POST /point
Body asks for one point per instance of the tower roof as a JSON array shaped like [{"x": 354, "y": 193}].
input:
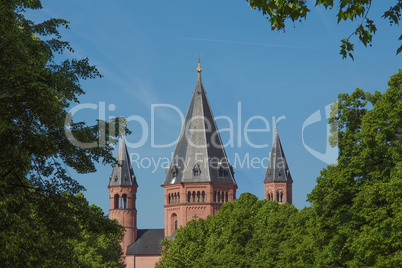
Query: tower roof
[
  {"x": 199, "y": 155},
  {"x": 278, "y": 169},
  {"x": 123, "y": 174}
]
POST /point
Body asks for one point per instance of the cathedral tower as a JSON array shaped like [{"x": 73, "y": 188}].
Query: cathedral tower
[
  {"x": 278, "y": 181},
  {"x": 199, "y": 179},
  {"x": 122, "y": 194}
]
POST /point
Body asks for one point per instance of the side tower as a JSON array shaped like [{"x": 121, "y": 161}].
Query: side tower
[
  {"x": 278, "y": 181},
  {"x": 199, "y": 179},
  {"x": 122, "y": 194}
]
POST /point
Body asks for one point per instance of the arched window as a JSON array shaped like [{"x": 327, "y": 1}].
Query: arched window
[
  {"x": 277, "y": 196},
  {"x": 214, "y": 196},
  {"x": 189, "y": 196},
  {"x": 116, "y": 201},
  {"x": 203, "y": 196},
  {"x": 172, "y": 223},
  {"x": 169, "y": 199},
  {"x": 272, "y": 197},
  {"x": 219, "y": 196},
  {"x": 193, "y": 196},
  {"x": 198, "y": 196},
  {"x": 178, "y": 197},
  {"x": 281, "y": 197},
  {"x": 269, "y": 197},
  {"x": 227, "y": 197},
  {"x": 124, "y": 201},
  {"x": 175, "y": 198}
]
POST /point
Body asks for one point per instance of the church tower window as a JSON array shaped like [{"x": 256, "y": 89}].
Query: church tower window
[
  {"x": 196, "y": 170},
  {"x": 124, "y": 201},
  {"x": 116, "y": 201}
]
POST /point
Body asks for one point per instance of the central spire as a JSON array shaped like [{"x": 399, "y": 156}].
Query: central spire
[{"x": 199, "y": 155}]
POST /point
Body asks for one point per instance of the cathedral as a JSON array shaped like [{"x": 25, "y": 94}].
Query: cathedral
[{"x": 197, "y": 183}]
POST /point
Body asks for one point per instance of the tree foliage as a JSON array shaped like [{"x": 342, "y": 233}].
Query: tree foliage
[
  {"x": 279, "y": 11},
  {"x": 42, "y": 223},
  {"x": 355, "y": 217},
  {"x": 237, "y": 236}
]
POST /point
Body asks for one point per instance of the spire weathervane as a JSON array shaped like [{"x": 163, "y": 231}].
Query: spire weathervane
[
  {"x": 276, "y": 126},
  {"x": 199, "y": 62}
]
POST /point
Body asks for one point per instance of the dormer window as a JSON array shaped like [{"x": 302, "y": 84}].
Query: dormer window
[
  {"x": 223, "y": 172},
  {"x": 115, "y": 178},
  {"x": 196, "y": 170},
  {"x": 220, "y": 172},
  {"x": 174, "y": 171},
  {"x": 125, "y": 178}
]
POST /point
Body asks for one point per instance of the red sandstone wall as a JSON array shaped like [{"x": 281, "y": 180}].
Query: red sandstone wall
[
  {"x": 126, "y": 217},
  {"x": 284, "y": 187},
  {"x": 144, "y": 261},
  {"x": 185, "y": 211}
]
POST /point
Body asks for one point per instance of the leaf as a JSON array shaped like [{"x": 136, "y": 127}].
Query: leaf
[{"x": 399, "y": 50}]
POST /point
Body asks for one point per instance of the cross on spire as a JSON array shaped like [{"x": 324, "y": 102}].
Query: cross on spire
[
  {"x": 276, "y": 126},
  {"x": 199, "y": 54},
  {"x": 195, "y": 216}
]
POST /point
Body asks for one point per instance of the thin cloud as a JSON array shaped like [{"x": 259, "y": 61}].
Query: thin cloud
[{"x": 252, "y": 43}]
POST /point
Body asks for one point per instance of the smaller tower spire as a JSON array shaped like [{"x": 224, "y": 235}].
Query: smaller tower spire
[
  {"x": 123, "y": 174},
  {"x": 122, "y": 195},
  {"x": 278, "y": 181},
  {"x": 278, "y": 169}
]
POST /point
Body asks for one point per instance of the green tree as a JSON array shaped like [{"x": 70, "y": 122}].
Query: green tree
[
  {"x": 39, "y": 214},
  {"x": 245, "y": 233},
  {"x": 358, "y": 202},
  {"x": 279, "y": 11}
]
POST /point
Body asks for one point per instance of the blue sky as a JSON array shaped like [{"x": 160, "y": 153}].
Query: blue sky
[{"x": 146, "y": 52}]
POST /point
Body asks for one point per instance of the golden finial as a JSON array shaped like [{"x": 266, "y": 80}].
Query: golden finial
[
  {"x": 276, "y": 126},
  {"x": 199, "y": 62}
]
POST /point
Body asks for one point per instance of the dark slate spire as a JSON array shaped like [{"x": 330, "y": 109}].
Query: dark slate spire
[
  {"x": 199, "y": 155},
  {"x": 278, "y": 169},
  {"x": 123, "y": 175}
]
